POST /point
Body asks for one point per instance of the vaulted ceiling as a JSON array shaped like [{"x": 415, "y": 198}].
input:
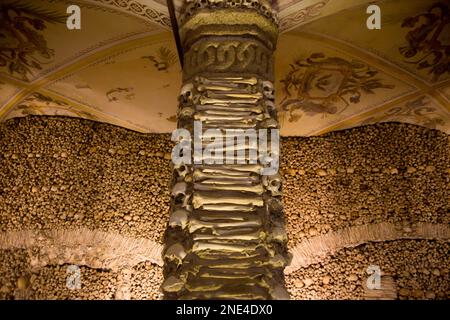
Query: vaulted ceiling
[{"x": 332, "y": 72}]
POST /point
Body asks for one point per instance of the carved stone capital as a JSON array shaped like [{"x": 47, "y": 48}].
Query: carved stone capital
[
  {"x": 263, "y": 7},
  {"x": 203, "y": 22}
]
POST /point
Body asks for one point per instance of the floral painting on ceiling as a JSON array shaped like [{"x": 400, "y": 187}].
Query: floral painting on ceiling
[
  {"x": 163, "y": 59},
  {"x": 39, "y": 104},
  {"x": 325, "y": 85},
  {"x": 23, "y": 48},
  {"x": 419, "y": 111},
  {"x": 425, "y": 45},
  {"x": 117, "y": 94}
]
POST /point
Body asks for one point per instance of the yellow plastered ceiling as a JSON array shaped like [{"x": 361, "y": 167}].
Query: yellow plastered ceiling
[{"x": 332, "y": 72}]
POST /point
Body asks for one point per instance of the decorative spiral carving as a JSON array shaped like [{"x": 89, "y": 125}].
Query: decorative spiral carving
[{"x": 246, "y": 56}]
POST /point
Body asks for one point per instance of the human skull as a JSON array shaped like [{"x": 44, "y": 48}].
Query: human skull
[{"x": 273, "y": 184}]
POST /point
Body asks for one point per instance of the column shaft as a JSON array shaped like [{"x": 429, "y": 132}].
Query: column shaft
[{"x": 226, "y": 236}]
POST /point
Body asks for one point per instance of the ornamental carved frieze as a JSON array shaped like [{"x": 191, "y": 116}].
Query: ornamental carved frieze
[
  {"x": 228, "y": 56},
  {"x": 302, "y": 15},
  {"x": 140, "y": 9},
  {"x": 263, "y": 7}
]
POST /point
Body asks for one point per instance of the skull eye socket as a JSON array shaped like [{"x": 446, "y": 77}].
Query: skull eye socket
[
  {"x": 182, "y": 170},
  {"x": 179, "y": 198}
]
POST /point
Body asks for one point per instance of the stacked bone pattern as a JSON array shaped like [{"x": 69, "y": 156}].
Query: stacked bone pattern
[{"x": 226, "y": 236}]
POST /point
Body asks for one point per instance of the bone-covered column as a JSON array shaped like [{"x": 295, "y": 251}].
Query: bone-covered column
[{"x": 226, "y": 237}]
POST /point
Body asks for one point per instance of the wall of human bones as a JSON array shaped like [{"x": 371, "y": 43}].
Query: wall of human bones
[{"x": 79, "y": 193}]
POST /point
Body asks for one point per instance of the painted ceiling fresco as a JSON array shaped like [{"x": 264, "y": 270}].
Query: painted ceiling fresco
[{"x": 331, "y": 72}]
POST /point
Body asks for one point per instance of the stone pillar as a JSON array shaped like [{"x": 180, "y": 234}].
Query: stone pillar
[{"x": 226, "y": 235}]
